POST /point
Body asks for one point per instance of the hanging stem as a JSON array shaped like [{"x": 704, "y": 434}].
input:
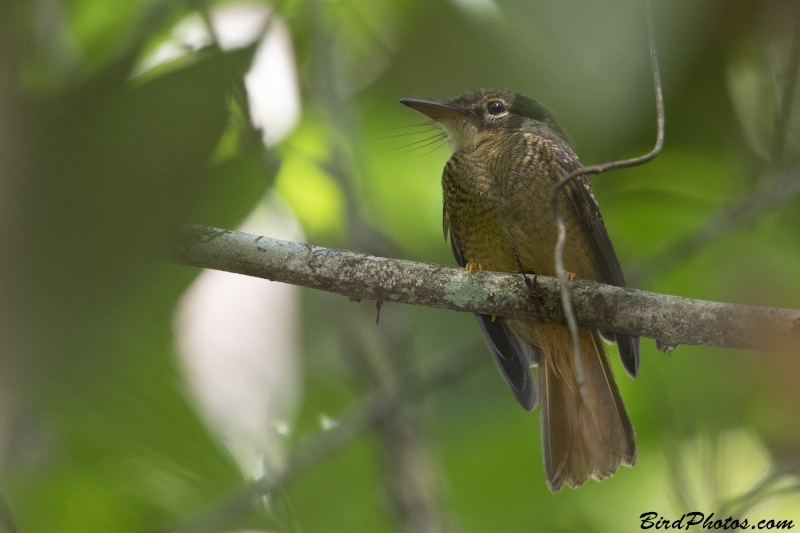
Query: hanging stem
[{"x": 565, "y": 284}]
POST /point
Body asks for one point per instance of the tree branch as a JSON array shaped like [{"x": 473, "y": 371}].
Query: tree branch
[{"x": 670, "y": 319}]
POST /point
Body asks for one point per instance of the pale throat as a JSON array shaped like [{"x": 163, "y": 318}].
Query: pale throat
[{"x": 462, "y": 134}]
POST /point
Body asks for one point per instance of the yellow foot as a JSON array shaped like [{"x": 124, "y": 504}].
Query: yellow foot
[
  {"x": 473, "y": 266},
  {"x": 571, "y": 276},
  {"x": 494, "y": 318}
]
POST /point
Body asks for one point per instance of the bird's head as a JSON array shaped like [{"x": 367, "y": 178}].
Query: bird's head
[{"x": 478, "y": 115}]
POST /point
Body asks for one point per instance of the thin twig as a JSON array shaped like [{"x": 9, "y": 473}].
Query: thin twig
[
  {"x": 566, "y": 299},
  {"x": 367, "y": 411},
  {"x": 671, "y": 319}
]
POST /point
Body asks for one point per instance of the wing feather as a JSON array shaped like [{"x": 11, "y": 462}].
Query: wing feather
[
  {"x": 589, "y": 214},
  {"x": 512, "y": 355}
]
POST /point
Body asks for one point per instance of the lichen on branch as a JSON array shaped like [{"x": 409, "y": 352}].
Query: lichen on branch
[{"x": 672, "y": 320}]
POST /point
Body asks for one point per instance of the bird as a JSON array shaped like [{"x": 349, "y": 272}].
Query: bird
[{"x": 508, "y": 152}]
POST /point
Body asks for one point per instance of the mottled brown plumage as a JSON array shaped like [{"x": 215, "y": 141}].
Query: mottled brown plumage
[{"x": 508, "y": 152}]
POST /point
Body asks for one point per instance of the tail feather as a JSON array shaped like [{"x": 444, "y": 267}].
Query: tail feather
[{"x": 582, "y": 438}]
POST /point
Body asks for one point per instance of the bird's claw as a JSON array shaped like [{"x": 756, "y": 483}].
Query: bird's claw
[{"x": 473, "y": 266}]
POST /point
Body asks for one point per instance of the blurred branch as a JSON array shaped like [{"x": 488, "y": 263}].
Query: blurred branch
[
  {"x": 367, "y": 411},
  {"x": 7, "y": 517},
  {"x": 771, "y": 192},
  {"x": 783, "y": 109},
  {"x": 380, "y": 357},
  {"x": 768, "y": 195},
  {"x": 766, "y": 488},
  {"x": 670, "y": 319},
  {"x": 771, "y": 195}
]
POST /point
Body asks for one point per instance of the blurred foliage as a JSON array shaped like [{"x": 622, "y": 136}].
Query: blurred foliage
[{"x": 98, "y": 167}]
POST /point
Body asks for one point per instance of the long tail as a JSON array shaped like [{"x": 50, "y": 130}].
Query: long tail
[{"x": 582, "y": 439}]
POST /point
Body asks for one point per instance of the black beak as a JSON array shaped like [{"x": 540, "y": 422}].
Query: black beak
[{"x": 434, "y": 110}]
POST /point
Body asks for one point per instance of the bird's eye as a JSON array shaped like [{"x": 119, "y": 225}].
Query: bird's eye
[{"x": 496, "y": 107}]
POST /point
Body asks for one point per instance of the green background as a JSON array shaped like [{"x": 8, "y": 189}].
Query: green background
[{"x": 97, "y": 169}]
